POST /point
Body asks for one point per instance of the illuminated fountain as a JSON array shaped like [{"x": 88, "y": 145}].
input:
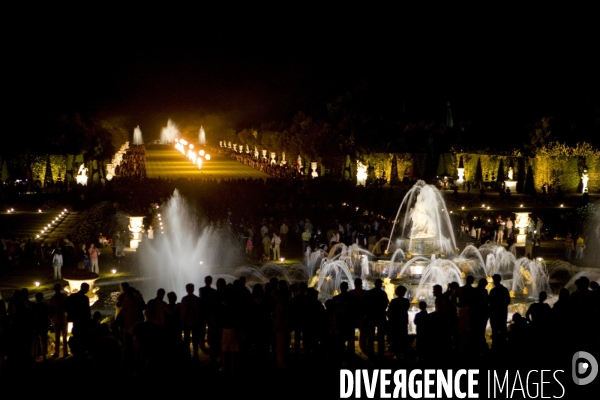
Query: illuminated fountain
[
  {"x": 430, "y": 227},
  {"x": 273, "y": 155},
  {"x": 137, "y": 136},
  {"x": 283, "y": 162},
  {"x": 425, "y": 255},
  {"x": 169, "y": 133},
  {"x": 202, "y": 136},
  {"x": 186, "y": 252}
]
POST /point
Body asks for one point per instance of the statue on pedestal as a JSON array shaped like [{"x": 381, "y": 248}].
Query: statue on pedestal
[{"x": 584, "y": 179}]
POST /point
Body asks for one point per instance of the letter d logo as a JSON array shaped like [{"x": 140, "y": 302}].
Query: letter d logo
[{"x": 581, "y": 363}]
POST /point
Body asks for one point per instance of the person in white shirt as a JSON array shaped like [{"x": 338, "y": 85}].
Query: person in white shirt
[{"x": 57, "y": 263}]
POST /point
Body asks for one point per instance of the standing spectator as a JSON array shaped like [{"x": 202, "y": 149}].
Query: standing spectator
[
  {"x": 529, "y": 239},
  {"x": 266, "y": 246},
  {"x": 190, "y": 319},
  {"x": 42, "y": 323},
  {"x": 305, "y": 240},
  {"x": 94, "y": 253},
  {"x": 361, "y": 240},
  {"x": 376, "y": 302},
  {"x": 79, "y": 313},
  {"x": 58, "y": 317},
  {"x": 538, "y": 228},
  {"x": 579, "y": 248},
  {"x": 499, "y": 230},
  {"x": 57, "y": 263},
  {"x": 276, "y": 243},
  {"x": 283, "y": 233},
  {"x": 207, "y": 297},
  {"x": 509, "y": 227},
  {"x": 569, "y": 247},
  {"x": 499, "y": 301},
  {"x": 249, "y": 246},
  {"x": 398, "y": 322},
  {"x": 422, "y": 323}
]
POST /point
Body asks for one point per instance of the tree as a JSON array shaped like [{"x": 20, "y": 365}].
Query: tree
[
  {"x": 500, "y": 175},
  {"x": 529, "y": 187},
  {"x": 478, "y": 172},
  {"x": 521, "y": 175},
  {"x": 394, "y": 181}
]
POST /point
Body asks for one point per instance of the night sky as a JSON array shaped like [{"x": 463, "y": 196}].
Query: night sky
[{"x": 236, "y": 66}]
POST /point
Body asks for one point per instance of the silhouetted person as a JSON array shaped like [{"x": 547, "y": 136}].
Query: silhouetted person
[
  {"x": 58, "y": 317},
  {"x": 442, "y": 321},
  {"x": 376, "y": 302},
  {"x": 79, "y": 313},
  {"x": 190, "y": 319},
  {"x": 360, "y": 292},
  {"x": 157, "y": 310},
  {"x": 260, "y": 321},
  {"x": 281, "y": 326},
  {"x": 346, "y": 308},
  {"x": 299, "y": 313},
  {"x": 518, "y": 337},
  {"x": 465, "y": 299},
  {"x": 481, "y": 315},
  {"x": 582, "y": 312},
  {"x": 499, "y": 301},
  {"x": 398, "y": 321},
  {"x": 423, "y": 326},
  {"x": 42, "y": 323},
  {"x": 207, "y": 297}
]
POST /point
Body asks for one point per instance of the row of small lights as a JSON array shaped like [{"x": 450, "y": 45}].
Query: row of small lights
[{"x": 54, "y": 222}]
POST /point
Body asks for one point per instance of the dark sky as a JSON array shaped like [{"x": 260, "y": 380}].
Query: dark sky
[{"x": 240, "y": 65}]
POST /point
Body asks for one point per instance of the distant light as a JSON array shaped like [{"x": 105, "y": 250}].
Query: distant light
[
  {"x": 539, "y": 258},
  {"x": 114, "y": 271},
  {"x": 462, "y": 208},
  {"x": 488, "y": 220},
  {"x": 37, "y": 236},
  {"x": 66, "y": 210},
  {"x": 282, "y": 259},
  {"x": 37, "y": 284},
  {"x": 450, "y": 212},
  {"x": 207, "y": 157},
  {"x": 483, "y": 205},
  {"x": 562, "y": 205},
  {"x": 521, "y": 205},
  {"x": 191, "y": 146},
  {"x": 488, "y": 207},
  {"x": 201, "y": 262},
  {"x": 158, "y": 214},
  {"x": 39, "y": 210}
]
